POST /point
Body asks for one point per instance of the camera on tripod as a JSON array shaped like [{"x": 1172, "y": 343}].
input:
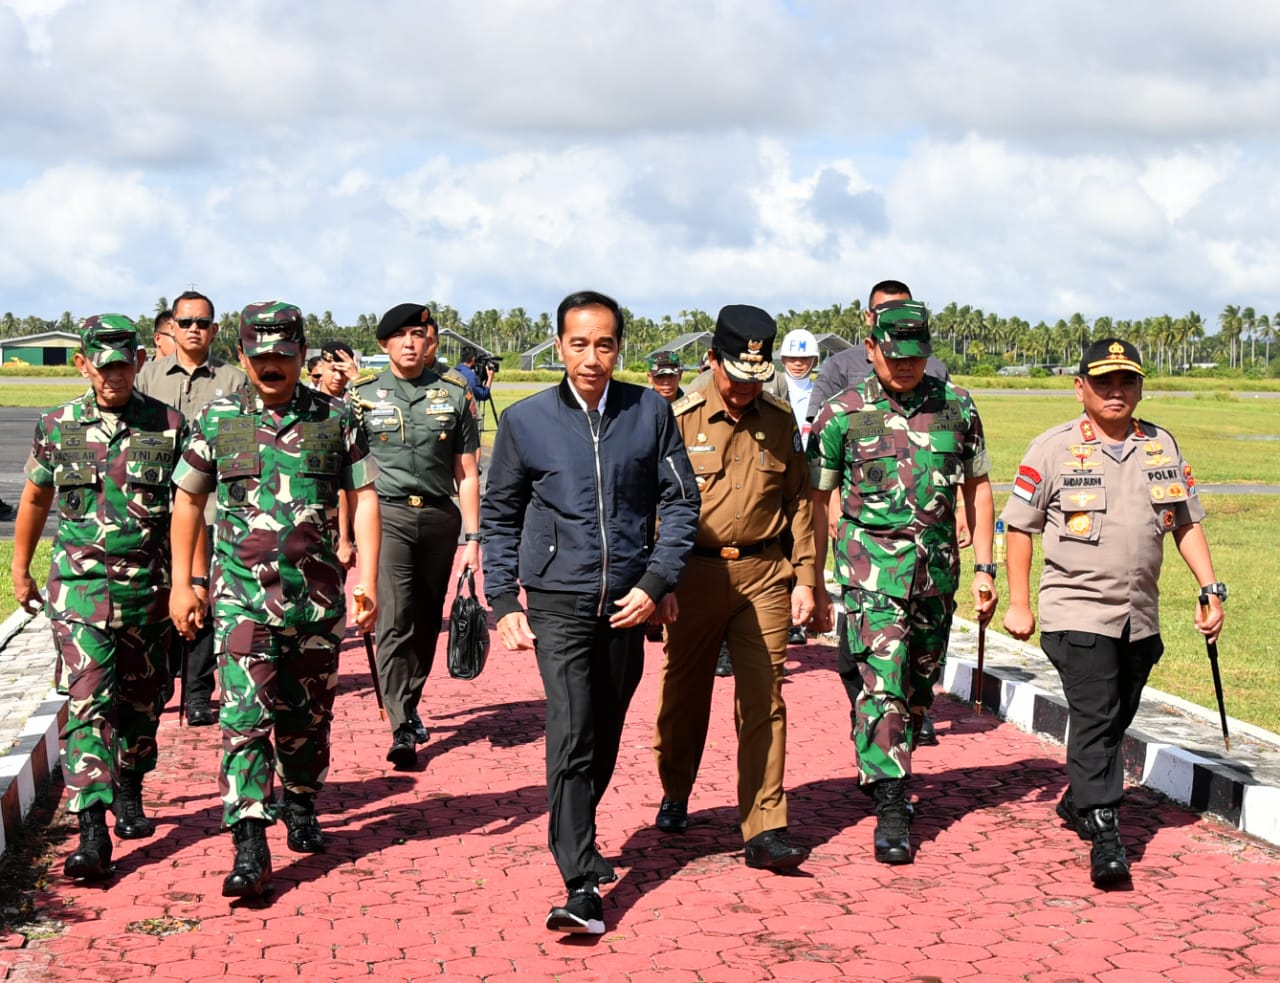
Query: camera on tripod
[{"x": 486, "y": 364}]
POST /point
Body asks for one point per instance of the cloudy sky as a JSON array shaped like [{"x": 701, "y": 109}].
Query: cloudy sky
[{"x": 1032, "y": 158}]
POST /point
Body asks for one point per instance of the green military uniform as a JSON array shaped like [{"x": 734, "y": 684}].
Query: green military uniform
[
  {"x": 416, "y": 430},
  {"x": 279, "y": 602},
  {"x": 899, "y": 461},
  {"x": 109, "y": 580}
]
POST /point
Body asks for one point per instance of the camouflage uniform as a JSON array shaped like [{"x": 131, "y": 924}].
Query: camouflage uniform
[
  {"x": 108, "y": 591},
  {"x": 279, "y": 599},
  {"x": 899, "y": 462}
]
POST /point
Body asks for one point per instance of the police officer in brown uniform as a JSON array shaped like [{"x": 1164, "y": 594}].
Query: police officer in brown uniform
[
  {"x": 1103, "y": 490},
  {"x": 754, "y": 480}
]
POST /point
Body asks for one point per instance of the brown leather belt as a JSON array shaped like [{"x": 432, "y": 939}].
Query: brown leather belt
[{"x": 734, "y": 552}]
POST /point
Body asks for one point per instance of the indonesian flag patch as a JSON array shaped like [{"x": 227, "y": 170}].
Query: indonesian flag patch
[{"x": 1025, "y": 485}]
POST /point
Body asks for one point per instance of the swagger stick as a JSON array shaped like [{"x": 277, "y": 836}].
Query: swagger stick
[
  {"x": 362, "y": 604},
  {"x": 1212, "y": 649},
  {"x": 985, "y": 591}
]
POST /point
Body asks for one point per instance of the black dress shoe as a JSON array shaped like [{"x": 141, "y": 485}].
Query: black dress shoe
[
  {"x": 724, "y": 663},
  {"x": 926, "y": 736},
  {"x": 404, "y": 748},
  {"x": 771, "y": 851},
  {"x": 673, "y": 817},
  {"x": 420, "y": 732},
  {"x": 200, "y": 715},
  {"x": 796, "y": 635}
]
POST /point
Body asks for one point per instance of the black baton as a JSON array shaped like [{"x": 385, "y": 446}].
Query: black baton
[{"x": 1212, "y": 649}]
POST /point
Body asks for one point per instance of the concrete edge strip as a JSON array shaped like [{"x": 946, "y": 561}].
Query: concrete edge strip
[
  {"x": 1188, "y": 778},
  {"x": 26, "y": 769}
]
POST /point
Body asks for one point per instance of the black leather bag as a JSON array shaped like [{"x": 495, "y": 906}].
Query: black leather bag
[{"x": 468, "y": 631}]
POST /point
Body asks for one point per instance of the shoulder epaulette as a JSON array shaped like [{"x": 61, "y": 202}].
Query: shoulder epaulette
[
  {"x": 776, "y": 401},
  {"x": 365, "y": 377},
  {"x": 687, "y": 402},
  {"x": 455, "y": 377}
]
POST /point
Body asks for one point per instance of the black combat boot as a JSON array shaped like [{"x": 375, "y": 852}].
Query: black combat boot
[
  {"x": 92, "y": 861},
  {"x": 300, "y": 820},
  {"x": 893, "y": 821},
  {"x": 131, "y": 822},
  {"x": 251, "y": 875},
  {"x": 1107, "y": 861}
]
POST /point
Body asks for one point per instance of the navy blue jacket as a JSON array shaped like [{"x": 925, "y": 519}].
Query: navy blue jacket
[{"x": 565, "y": 511}]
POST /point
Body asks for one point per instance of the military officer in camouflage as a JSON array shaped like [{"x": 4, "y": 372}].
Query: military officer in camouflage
[
  {"x": 422, "y": 432},
  {"x": 277, "y": 455},
  {"x": 107, "y": 458},
  {"x": 899, "y": 445}
]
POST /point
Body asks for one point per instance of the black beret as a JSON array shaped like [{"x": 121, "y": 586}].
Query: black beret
[{"x": 403, "y": 316}]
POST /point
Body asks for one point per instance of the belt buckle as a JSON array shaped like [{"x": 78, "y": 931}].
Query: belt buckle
[
  {"x": 730, "y": 552},
  {"x": 415, "y": 501}
]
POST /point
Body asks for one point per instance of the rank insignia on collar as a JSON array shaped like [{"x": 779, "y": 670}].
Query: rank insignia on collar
[
  {"x": 1087, "y": 431},
  {"x": 1152, "y": 447}
]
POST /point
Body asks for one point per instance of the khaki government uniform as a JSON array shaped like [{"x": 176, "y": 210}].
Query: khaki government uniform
[{"x": 754, "y": 482}]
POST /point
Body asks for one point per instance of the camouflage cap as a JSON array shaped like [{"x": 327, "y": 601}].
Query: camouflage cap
[
  {"x": 271, "y": 327},
  {"x": 901, "y": 329},
  {"x": 665, "y": 363},
  {"x": 744, "y": 338},
  {"x": 108, "y": 338},
  {"x": 1111, "y": 355}
]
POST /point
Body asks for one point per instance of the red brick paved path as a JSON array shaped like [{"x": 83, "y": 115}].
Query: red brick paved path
[{"x": 444, "y": 873}]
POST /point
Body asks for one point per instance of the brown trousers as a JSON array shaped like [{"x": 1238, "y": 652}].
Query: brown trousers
[{"x": 748, "y": 603}]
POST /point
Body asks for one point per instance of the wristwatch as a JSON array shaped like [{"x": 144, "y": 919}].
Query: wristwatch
[
  {"x": 473, "y": 537},
  {"x": 1218, "y": 588},
  {"x": 200, "y": 582},
  {"x": 990, "y": 569}
]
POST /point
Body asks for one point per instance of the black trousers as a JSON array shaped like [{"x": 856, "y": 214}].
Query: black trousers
[
  {"x": 415, "y": 564},
  {"x": 589, "y": 672},
  {"x": 1102, "y": 679},
  {"x": 200, "y": 659}
]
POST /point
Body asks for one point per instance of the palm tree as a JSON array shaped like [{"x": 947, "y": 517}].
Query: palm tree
[
  {"x": 162, "y": 305},
  {"x": 1230, "y": 323}
]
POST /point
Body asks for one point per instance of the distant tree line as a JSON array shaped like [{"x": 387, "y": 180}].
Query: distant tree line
[{"x": 968, "y": 339}]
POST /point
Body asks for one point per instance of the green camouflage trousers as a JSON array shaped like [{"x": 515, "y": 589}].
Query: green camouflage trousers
[
  {"x": 898, "y": 645},
  {"x": 115, "y": 680},
  {"x": 276, "y": 682}
]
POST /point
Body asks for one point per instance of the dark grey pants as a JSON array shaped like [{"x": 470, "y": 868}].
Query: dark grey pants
[{"x": 415, "y": 565}]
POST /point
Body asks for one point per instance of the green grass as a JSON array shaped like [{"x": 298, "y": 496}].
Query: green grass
[
  {"x": 39, "y": 396},
  {"x": 39, "y": 570}
]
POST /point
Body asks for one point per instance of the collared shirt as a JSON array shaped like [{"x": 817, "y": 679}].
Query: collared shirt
[
  {"x": 899, "y": 461},
  {"x": 415, "y": 429},
  {"x": 277, "y": 473},
  {"x": 752, "y": 475},
  {"x": 111, "y": 471},
  {"x": 188, "y": 390},
  {"x": 1103, "y": 516}
]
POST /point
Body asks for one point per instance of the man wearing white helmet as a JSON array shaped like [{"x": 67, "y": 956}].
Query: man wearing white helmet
[{"x": 799, "y": 357}]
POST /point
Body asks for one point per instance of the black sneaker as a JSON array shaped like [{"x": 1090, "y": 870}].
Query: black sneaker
[
  {"x": 581, "y": 914},
  {"x": 1069, "y": 814},
  {"x": 7, "y": 512}
]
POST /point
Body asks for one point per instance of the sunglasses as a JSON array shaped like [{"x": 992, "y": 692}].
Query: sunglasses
[
  {"x": 317, "y": 377},
  {"x": 203, "y": 323}
]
